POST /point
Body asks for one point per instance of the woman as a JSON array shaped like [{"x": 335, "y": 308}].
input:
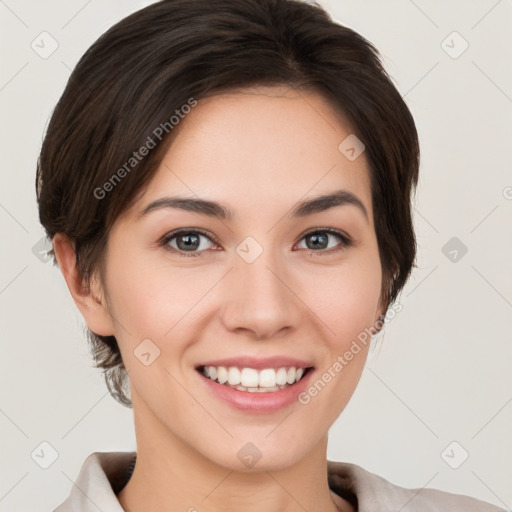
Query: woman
[{"x": 227, "y": 186}]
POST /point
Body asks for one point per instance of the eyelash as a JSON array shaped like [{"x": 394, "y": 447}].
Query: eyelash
[{"x": 346, "y": 241}]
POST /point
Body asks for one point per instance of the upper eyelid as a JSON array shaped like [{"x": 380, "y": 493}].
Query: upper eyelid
[{"x": 172, "y": 234}]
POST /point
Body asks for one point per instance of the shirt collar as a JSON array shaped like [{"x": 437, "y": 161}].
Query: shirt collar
[{"x": 104, "y": 474}]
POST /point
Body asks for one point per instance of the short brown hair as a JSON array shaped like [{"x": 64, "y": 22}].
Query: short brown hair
[{"x": 147, "y": 66}]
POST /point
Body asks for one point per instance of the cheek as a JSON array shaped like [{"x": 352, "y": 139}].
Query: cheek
[
  {"x": 156, "y": 301},
  {"x": 139, "y": 298},
  {"x": 347, "y": 305},
  {"x": 345, "y": 298}
]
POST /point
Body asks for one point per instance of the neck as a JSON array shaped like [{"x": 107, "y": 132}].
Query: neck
[{"x": 172, "y": 475}]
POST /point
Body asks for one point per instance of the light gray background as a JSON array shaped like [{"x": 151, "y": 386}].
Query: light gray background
[{"x": 442, "y": 369}]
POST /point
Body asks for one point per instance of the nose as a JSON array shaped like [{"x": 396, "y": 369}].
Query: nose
[{"x": 260, "y": 298}]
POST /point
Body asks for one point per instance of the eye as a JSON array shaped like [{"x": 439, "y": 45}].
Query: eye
[
  {"x": 320, "y": 241},
  {"x": 187, "y": 241}
]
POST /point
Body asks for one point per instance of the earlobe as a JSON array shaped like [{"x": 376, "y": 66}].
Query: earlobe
[{"x": 89, "y": 299}]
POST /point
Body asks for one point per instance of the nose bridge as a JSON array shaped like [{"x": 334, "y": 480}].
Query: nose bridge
[
  {"x": 262, "y": 300},
  {"x": 259, "y": 270}
]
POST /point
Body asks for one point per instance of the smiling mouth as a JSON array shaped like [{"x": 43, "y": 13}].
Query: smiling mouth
[{"x": 251, "y": 380}]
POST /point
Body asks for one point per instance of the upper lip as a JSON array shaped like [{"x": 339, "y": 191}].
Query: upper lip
[{"x": 259, "y": 363}]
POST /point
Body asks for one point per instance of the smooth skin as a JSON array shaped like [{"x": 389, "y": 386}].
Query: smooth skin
[{"x": 258, "y": 152}]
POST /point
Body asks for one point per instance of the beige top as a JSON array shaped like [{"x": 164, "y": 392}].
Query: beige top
[{"x": 104, "y": 474}]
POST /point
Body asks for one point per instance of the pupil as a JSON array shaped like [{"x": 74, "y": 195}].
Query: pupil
[
  {"x": 316, "y": 237},
  {"x": 188, "y": 243}
]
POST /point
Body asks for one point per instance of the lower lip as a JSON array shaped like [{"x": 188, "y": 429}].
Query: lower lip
[{"x": 258, "y": 402}]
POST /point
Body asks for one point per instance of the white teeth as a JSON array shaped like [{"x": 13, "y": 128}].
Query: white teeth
[
  {"x": 267, "y": 390},
  {"x": 234, "y": 376},
  {"x": 267, "y": 378},
  {"x": 291, "y": 375},
  {"x": 222, "y": 374},
  {"x": 212, "y": 371},
  {"x": 281, "y": 377},
  {"x": 252, "y": 380},
  {"x": 249, "y": 378}
]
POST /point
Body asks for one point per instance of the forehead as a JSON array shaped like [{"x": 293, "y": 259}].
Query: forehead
[{"x": 260, "y": 147}]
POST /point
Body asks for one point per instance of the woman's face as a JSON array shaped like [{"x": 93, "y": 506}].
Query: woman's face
[{"x": 263, "y": 283}]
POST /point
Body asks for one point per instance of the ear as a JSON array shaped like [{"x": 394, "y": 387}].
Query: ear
[{"x": 93, "y": 309}]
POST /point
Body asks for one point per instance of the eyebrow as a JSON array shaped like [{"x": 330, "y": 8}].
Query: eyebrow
[{"x": 217, "y": 210}]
